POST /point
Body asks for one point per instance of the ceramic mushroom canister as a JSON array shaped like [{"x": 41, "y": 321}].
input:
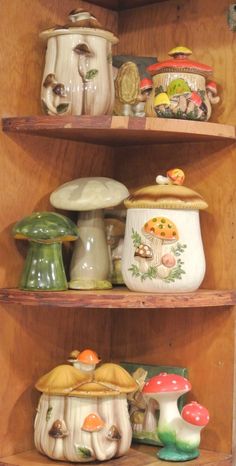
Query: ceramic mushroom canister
[
  {"x": 82, "y": 416},
  {"x": 90, "y": 265},
  {"x": 182, "y": 88},
  {"x": 179, "y": 433},
  {"x": 44, "y": 268},
  {"x": 163, "y": 250},
  {"x": 78, "y": 76}
]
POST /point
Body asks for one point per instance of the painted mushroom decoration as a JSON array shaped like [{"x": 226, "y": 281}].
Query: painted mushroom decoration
[
  {"x": 163, "y": 250},
  {"x": 45, "y": 231},
  {"x": 90, "y": 265},
  {"x": 85, "y": 360},
  {"x": 179, "y": 433},
  {"x": 83, "y": 416}
]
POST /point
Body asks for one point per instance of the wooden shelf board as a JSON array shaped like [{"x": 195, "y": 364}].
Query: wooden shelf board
[
  {"x": 133, "y": 458},
  {"x": 123, "y": 4},
  {"x": 119, "y": 130},
  {"x": 117, "y": 298}
]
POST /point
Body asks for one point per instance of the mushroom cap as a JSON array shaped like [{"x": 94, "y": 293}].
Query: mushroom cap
[
  {"x": 161, "y": 228},
  {"x": 93, "y": 423},
  {"x": 182, "y": 50},
  {"x": 196, "y": 98},
  {"x": 144, "y": 251},
  {"x": 93, "y": 389},
  {"x": 211, "y": 86},
  {"x": 161, "y": 99},
  {"x": 89, "y": 194},
  {"x": 164, "y": 383},
  {"x": 113, "y": 376},
  {"x": 176, "y": 175},
  {"x": 165, "y": 197},
  {"x": 145, "y": 84},
  {"x": 46, "y": 227},
  {"x": 61, "y": 380},
  {"x": 88, "y": 356},
  {"x": 58, "y": 429},
  {"x": 195, "y": 414}
]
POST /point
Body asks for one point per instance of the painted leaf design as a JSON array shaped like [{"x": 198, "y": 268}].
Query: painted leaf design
[
  {"x": 83, "y": 452},
  {"x": 49, "y": 413},
  {"x": 91, "y": 74},
  {"x": 62, "y": 108}
]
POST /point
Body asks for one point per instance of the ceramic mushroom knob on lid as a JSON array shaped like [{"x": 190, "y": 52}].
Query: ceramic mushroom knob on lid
[
  {"x": 180, "y": 88},
  {"x": 163, "y": 250},
  {"x": 77, "y": 77},
  {"x": 90, "y": 266},
  {"x": 45, "y": 231}
]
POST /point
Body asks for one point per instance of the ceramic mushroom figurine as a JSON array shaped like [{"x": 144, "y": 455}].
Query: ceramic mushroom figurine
[
  {"x": 83, "y": 417},
  {"x": 181, "y": 88},
  {"x": 45, "y": 231},
  {"x": 85, "y": 360},
  {"x": 179, "y": 433},
  {"x": 90, "y": 266},
  {"x": 77, "y": 76},
  {"x": 163, "y": 250}
]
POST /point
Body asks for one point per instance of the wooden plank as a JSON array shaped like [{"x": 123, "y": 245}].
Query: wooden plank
[
  {"x": 119, "y": 297},
  {"x": 119, "y": 130},
  {"x": 133, "y": 458},
  {"x": 123, "y": 4}
]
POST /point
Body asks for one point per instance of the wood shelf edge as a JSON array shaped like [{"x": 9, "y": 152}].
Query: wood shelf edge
[
  {"x": 119, "y": 297},
  {"x": 147, "y": 457}
]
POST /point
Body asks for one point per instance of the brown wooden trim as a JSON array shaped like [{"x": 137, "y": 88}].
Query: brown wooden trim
[
  {"x": 123, "y": 4},
  {"x": 119, "y": 297}
]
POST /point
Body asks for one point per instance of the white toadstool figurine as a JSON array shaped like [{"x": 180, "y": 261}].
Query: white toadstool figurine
[{"x": 90, "y": 262}]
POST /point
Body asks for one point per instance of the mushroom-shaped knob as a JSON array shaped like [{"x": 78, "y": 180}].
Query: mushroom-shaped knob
[
  {"x": 176, "y": 176},
  {"x": 195, "y": 414},
  {"x": 180, "y": 52},
  {"x": 46, "y": 231}
]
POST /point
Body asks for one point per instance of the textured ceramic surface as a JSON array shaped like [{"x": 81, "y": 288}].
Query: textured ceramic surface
[
  {"x": 163, "y": 250},
  {"x": 45, "y": 231},
  {"x": 82, "y": 415},
  {"x": 78, "y": 76},
  {"x": 181, "y": 88}
]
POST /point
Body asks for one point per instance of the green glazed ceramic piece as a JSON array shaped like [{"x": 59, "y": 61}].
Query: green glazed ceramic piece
[
  {"x": 46, "y": 231},
  {"x": 170, "y": 453},
  {"x": 90, "y": 284}
]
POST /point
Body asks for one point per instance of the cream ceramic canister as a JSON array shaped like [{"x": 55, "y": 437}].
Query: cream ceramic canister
[
  {"x": 181, "y": 88},
  {"x": 163, "y": 250},
  {"x": 78, "y": 76},
  {"x": 82, "y": 415}
]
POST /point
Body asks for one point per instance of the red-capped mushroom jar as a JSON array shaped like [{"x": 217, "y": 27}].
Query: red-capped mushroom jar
[{"x": 180, "y": 88}]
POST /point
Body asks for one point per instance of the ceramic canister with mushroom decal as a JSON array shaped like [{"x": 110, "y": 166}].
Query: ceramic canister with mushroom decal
[
  {"x": 181, "y": 88},
  {"x": 78, "y": 76},
  {"x": 163, "y": 250}
]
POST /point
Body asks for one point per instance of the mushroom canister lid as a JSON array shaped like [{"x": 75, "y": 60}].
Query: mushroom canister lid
[{"x": 165, "y": 196}]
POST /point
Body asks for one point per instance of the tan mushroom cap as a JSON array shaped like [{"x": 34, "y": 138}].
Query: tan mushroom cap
[
  {"x": 113, "y": 376},
  {"x": 166, "y": 197},
  {"x": 89, "y": 193},
  {"x": 61, "y": 380},
  {"x": 93, "y": 389}
]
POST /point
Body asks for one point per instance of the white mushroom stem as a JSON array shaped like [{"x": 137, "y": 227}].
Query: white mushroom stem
[
  {"x": 58, "y": 450},
  {"x": 82, "y": 366},
  {"x": 213, "y": 99},
  {"x": 123, "y": 424},
  {"x": 188, "y": 433},
  {"x": 150, "y": 418},
  {"x": 169, "y": 412},
  {"x": 157, "y": 251}
]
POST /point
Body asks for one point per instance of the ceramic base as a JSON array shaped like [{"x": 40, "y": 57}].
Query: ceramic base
[
  {"x": 81, "y": 284},
  {"x": 170, "y": 453}
]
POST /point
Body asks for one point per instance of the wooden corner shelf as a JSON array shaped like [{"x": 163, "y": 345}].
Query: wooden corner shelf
[
  {"x": 123, "y": 4},
  {"x": 143, "y": 456},
  {"x": 117, "y": 298},
  {"x": 119, "y": 130}
]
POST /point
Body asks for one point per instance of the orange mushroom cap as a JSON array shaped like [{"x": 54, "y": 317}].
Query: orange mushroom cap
[
  {"x": 93, "y": 423},
  {"x": 88, "y": 356},
  {"x": 162, "y": 228},
  {"x": 176, "y": 175}
]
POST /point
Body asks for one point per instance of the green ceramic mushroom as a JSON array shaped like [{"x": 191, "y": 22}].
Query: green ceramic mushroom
[{"x": 45, "y": 231}]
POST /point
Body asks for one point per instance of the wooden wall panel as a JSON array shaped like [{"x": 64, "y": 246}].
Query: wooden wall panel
[{"x": 33, "y": 341}]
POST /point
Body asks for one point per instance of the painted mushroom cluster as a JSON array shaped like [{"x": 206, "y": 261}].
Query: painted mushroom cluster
[
  {"x": 82, "y": 414},
  {"x": 179, "y": 433}
]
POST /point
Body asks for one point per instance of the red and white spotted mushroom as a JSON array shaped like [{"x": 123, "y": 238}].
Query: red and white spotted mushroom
[
  {"x": 211, "y": 89},
  {"x": 195, "y": 417}
]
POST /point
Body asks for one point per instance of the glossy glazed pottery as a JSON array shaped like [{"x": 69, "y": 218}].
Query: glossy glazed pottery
[
  {"x": 181, "y": 88},
  {"x": 78, "y": 78},
  {"x": 179, "y": 433},
  {"x": 163, "y": 250},
  {"x": 82, "y": 414},
  {"x": 90, "y": 265},
  {"x": 45, "y": 231}
]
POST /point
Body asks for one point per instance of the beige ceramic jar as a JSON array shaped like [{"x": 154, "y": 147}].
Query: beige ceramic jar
[
  {"x": 163, "y": 250},
  {"x": 78, "y": 76}
]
